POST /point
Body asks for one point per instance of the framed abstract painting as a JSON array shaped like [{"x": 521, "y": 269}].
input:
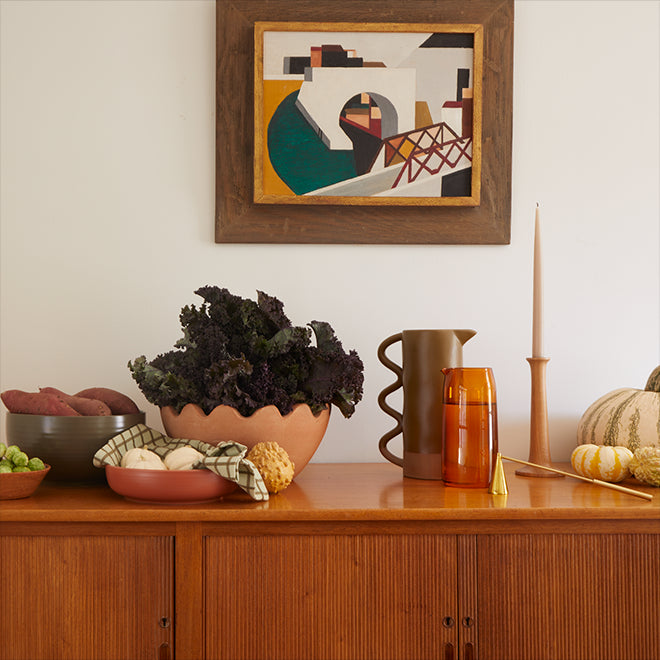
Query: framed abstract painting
[
  {"x": 364, "y": 130},
  {"x": 367, "y": 114}
]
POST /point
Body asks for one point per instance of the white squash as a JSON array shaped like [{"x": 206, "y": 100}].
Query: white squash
[
  {"x": 625, "y": 417},
  {"x": 602, "y": 462},
  {"x": 142, "y": 459},
  {"x": 182, "y": 458}
]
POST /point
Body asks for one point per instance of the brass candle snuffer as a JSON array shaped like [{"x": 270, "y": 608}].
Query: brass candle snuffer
[{"x": 498, "y": 484}]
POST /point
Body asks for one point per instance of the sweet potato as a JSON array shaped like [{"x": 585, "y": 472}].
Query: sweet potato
[
  {"x": 119, "y": 403},
  {"x": 36, "y": 403},
  {"x": 85, "y": 406}
]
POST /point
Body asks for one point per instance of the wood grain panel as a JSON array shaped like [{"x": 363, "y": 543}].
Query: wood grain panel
[
  {"x": 86, "y": 598},
  {"x": 467, "y": 619},
  {"x": 189, "y": 603},
  {"x": 569, "y": 597},
  {"x": 329, "y": 597}
]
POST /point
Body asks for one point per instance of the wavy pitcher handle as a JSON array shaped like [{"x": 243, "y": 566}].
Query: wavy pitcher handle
[{"x": 398, "y": 417}]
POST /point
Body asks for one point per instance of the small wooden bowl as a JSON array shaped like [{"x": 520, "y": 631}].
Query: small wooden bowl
[{"x": 16, "y": 485}]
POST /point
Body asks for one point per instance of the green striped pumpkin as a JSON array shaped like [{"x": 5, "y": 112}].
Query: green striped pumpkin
[{"x": 625, "y": 417}]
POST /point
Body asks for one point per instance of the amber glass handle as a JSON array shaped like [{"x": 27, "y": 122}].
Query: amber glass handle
[{"x": 385, "y": 407}]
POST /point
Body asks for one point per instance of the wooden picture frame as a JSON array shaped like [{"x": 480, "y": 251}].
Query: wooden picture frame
[{"x": 482, "y": 217}]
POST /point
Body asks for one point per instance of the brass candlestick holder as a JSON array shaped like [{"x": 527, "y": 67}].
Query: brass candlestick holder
[{"x": 539, "y": 446}]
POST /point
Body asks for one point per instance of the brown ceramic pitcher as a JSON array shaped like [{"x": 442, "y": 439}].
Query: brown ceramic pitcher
[{"x": 425, "y": 354}]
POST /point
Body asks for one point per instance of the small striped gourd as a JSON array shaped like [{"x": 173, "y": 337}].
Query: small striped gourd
[
  {"x": 601, "y": 462},
  {"x": 625, "y": 417}
]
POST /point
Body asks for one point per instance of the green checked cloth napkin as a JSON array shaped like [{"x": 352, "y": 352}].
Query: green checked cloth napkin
[{"x": 226, "y": 459}]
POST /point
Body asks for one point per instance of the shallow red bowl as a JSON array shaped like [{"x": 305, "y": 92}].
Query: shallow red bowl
[
  {"x": 168, "y": 486},
  {"x": 15, "y": 485}
]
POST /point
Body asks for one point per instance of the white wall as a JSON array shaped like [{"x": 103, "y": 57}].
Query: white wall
[{"x": 107, "y": 205}]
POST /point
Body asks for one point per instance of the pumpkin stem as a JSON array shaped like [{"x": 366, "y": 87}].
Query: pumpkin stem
[{"x": 653, "y": 383}]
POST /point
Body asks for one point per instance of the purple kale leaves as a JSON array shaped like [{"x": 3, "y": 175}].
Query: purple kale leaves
[{"x": 247, "y": 355}]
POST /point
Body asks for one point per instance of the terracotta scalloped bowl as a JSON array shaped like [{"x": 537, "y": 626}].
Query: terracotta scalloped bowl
[{"x": 299, "y": 433}]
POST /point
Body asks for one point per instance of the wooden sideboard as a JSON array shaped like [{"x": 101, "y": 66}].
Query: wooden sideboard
[{"x": 351, "y": 562}]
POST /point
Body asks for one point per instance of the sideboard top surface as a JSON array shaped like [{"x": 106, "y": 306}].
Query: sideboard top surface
[{"x": 354, "y": 492}]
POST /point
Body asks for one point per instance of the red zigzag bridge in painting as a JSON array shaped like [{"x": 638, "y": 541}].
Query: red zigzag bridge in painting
[
  {"x": 425, "y": 151},
  {"x": 409, "y": 158}
]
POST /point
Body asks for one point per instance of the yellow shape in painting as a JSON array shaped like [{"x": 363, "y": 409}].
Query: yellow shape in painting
[
  {"x": 406, "y": 148},
  {"x": 422, "y": 114},
  {"x": 275, "y": 91}
]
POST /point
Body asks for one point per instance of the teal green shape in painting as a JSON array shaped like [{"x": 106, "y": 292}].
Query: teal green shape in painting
[{"x": 298, "y": 154}]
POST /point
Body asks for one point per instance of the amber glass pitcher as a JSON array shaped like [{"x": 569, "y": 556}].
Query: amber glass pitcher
[{"x": 469, "y": 434}]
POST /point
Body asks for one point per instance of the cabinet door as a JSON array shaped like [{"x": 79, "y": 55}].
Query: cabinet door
[
  {"x": 89, "y": 597},
  {"x": 577, "y": 597},
  {"x": 328, "y": 597}
]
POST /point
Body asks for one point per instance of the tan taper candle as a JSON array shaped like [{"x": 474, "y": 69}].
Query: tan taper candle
[{"x": 537, "y": 317}]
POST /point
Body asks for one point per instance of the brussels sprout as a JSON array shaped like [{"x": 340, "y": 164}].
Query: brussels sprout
[
  {"x": 5, "y": 466},
  {"x": 10, "y": 451},
  {"x": 19, "y": 459},
  {"x": 35, "y": 464},
  {"x": 21, "y": 468},
  {"x": 3, "y": 449}
]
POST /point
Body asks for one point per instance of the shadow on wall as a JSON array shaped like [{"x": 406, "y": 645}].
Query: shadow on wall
[{"x": 562, "y": 432}]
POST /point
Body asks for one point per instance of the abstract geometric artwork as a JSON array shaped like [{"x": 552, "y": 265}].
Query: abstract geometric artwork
[
  {"x": 370, "y": 122},
  {"x": 368, "y": 114}
]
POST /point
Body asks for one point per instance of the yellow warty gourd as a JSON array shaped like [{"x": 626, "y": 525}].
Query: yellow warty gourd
[
  {"x": 273, "y": 464},
  {"x": 602, "y": 462},
  {"x": 645, "y": 465}
]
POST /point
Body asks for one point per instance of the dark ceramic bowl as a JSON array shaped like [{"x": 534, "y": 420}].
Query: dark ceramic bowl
[{"x": 67, "y": 444}]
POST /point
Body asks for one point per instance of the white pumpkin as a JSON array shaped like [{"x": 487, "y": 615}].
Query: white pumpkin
[
  {"x": 182, "y": 458},
  {"x": 625, "y": 417},
  {"x": 142, "y": 459},
  {"x": 602, "y": 462}
]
